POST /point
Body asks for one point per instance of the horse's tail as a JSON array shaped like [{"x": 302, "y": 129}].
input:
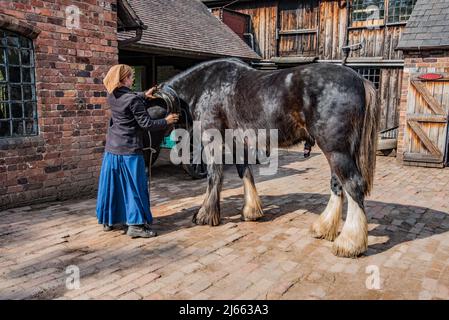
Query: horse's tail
[{"x": 366, "y": 158}]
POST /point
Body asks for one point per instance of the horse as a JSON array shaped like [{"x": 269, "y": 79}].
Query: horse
[{"x": 331, "y": 104}]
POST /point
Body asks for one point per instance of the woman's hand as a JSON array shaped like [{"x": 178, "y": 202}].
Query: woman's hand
[
  {"x": 172, "y": 118},
  {"x": 149, "y": 93}
]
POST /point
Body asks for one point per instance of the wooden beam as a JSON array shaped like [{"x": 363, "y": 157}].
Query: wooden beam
[
  {"x": 424, "y": 138},
  {"x": 426, "y": 118},
  {"x": 431, "y": 101},
  {"x": 299, "y": 31},
  {"x": 419, "y": 157}
]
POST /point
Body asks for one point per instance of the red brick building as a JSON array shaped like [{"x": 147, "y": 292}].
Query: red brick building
[
  {"x": 423, "y": 138},
  {"x": 53, "y": 57},
  {"x": 53, "y": 117}
]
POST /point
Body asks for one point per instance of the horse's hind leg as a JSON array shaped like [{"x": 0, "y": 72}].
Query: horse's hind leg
[
  {"x": 209, "y": 212},
  {"x": 252, "y": 210},
  {"x": 353, "y": 239},
  {"x": 326, "y": 226}
]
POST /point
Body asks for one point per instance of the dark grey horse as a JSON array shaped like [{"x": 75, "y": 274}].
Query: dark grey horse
[{"x": 329, "y": 103}]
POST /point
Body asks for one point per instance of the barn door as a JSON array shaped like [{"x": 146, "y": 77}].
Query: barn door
[
  {"x": 298, "y": 28},
  {"x": 427, "y": 109}
]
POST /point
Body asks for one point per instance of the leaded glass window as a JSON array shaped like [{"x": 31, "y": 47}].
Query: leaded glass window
[
  {"x": 371, "y": 74},
  {"x": 18, "y": 115},
  {"x": 364, "y": 10},
  {"x": 400, "y": 10}
]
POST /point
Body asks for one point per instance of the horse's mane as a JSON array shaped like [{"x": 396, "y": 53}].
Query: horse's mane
[{"x": 205, "y": 64}]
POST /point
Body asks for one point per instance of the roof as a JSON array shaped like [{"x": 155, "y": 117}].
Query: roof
[
  {"x": 428, "y": 26},
  {"x": 127, "y": 19},
  {"x": 186, "y": 26}
]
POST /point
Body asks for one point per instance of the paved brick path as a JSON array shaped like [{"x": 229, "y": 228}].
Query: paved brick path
[{"x": 274, "y": 258}]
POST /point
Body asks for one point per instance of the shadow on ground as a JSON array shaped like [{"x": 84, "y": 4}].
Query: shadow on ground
[
  {"x": 399, "y": 223},
  {"x": 396, "y": 222}
]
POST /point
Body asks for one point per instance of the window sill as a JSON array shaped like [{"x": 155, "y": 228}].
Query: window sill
[
  {"x": 394, "y": 24},
  {"x": 378, "y": 26}
]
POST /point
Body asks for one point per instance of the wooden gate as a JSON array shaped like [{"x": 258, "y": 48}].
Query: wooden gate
[{"x": 427, "y": 110}]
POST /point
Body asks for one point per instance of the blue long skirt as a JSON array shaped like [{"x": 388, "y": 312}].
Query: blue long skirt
[{"x": 123, "y": 191}]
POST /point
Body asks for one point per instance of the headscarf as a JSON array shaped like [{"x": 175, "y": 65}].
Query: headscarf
[{"x": 116, "y": 75}]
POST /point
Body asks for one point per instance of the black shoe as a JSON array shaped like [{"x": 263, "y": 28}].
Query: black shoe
[
  {"x": 140, "y": 231},
  {"x": 147, "y": 225},
  {"x": 107, "y": 228}
]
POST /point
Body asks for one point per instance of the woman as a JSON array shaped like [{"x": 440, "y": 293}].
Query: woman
[{"x": 123, "y": 187}]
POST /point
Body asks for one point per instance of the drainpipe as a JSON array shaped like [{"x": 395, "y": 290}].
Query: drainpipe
[{"x": 136, "y": 38}]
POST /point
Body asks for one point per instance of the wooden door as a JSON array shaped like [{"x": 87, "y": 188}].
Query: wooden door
[
  {"x": 427, "y": 110},
  {"x": 297, "y": 31}
]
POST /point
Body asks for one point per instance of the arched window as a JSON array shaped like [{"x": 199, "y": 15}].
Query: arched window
[{"x": 18, "y": 114}]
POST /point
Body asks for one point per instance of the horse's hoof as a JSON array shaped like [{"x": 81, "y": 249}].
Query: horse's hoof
[
  {"x": 251, "y": 214},
  {"x": 324, "y": 230},
  {"x": 203, "y": 218},
  {"x": 346, "y": 247}
]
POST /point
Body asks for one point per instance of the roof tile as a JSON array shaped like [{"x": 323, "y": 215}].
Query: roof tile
[{"x": 428, "y": 25}]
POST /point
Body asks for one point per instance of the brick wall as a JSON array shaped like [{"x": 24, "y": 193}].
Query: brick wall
[
  {"x": 64, "y": 160},
  {"x": 417, "y": 62}
]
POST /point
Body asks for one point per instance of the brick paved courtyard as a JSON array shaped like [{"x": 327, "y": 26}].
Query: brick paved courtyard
[{"x": 275, "y": 258}]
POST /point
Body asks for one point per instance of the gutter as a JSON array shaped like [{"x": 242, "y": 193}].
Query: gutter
[
  {"x": 135, "y": 39},
  {"x": 423, "y": 48},
  {"x": 151, "y": 49},
  {"x": 138, "y": 26}
]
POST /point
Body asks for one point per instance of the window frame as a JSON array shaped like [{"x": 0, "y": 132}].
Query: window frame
[
  {"x": 367, "y": 22},
  {"x": 23, "y": 48},
  {"x": 139, "y": 77},
  {"x": 368, "y": 76},
  {"x": 389, "y": 22},
  {"x": 386, "y": 19}
]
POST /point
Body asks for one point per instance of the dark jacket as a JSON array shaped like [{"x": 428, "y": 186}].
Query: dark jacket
[{"x": 128, "y": 122}]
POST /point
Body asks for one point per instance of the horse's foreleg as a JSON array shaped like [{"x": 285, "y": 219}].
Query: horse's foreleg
[
  {"x": 326, "y": 226},
  {"x": 209, "y": 212},
  {"x": 353, "y": 239},
  {"x": 252, "y": 209}
]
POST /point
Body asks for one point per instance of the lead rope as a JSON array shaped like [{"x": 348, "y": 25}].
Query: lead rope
[
  {"x": 173, "y": 105},
  {"x": 151, "y": 159}
]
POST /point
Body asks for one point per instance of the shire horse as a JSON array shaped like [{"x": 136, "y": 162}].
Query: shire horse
[{"x": 333, "y": 104}]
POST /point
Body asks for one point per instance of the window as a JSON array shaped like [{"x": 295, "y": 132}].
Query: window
[
  {"x": 400, "y": 10},
  {"x": 371, "y": 74},
  {"x": 18, "y": 116},
  {"x": 363, "y": 10},
  {"x": 165, "y": 72},
  {"x": 139, "y": 76}
]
